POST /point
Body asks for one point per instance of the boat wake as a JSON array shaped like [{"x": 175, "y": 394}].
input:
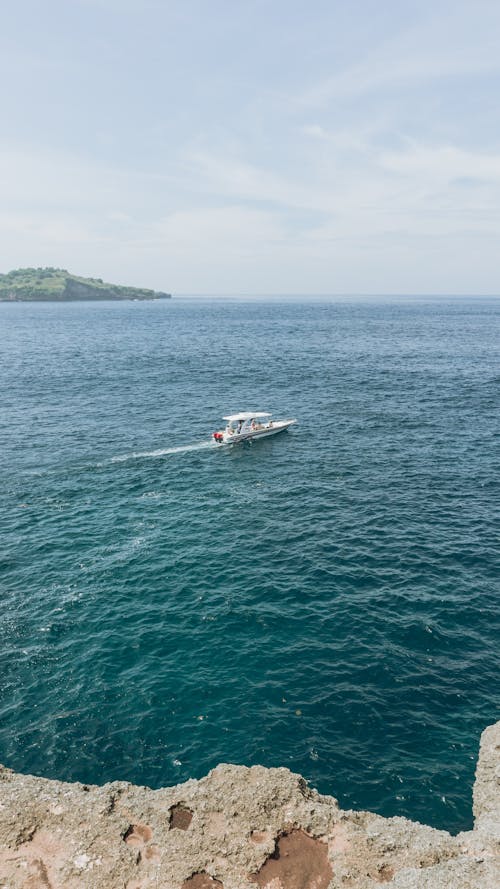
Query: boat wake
[{"x": 164, "y": 452}]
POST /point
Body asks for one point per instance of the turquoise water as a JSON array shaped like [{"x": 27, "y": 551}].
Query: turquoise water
[{"x": 324, "y": 600}]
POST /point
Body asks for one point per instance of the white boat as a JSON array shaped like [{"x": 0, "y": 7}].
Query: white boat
[{"x": 248, "y": 426}]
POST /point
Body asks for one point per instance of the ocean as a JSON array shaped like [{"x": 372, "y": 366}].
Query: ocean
[{"x": 324, "y": 600}]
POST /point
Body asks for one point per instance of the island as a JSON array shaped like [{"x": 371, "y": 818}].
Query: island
[{"x": 58, "y": 285}]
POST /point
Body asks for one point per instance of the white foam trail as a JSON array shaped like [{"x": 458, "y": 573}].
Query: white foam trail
[{"x": 163, "y": 452}]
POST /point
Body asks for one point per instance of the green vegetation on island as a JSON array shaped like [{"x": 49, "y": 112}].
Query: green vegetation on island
[{"x": 28, "y": 285}]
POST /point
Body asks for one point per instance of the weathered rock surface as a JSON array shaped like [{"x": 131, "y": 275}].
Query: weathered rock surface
[{"x": 238, "y": 828}]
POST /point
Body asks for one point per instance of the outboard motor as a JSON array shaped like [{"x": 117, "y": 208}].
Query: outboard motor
[{"x": 219, "y": 438}]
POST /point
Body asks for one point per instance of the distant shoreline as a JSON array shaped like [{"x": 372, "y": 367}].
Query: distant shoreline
[
  {"x": 58, "y": 285},
  {"x": 85, "y": 299}
]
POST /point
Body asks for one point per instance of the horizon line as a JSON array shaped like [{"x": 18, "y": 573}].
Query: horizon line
[{"x": 263, "y": 295}]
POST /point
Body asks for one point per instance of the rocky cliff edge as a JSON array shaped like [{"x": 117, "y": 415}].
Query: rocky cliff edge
[{"x": 237, "y": 828}]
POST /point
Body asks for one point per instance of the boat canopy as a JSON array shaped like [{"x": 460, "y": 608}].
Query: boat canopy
[{"x": 248, "y": 415}]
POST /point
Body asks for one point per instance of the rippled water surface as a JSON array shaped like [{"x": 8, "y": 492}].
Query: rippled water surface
[{"x": 324, "y": 600}]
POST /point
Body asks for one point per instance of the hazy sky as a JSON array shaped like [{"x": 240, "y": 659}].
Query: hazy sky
[{"x": 266, "y": 146}]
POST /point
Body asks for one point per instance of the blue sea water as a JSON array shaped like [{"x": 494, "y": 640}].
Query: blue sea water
[{"x": 325, "y": 600}]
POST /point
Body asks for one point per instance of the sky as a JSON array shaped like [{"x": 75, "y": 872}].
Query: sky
[{"x": 253, "y": 146}]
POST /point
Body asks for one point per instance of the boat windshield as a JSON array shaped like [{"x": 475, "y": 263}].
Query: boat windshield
[{"x": 247, "y": 424}]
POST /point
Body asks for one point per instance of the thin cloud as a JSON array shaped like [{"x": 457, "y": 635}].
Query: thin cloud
[
  {"x": 440, "y": 46},
  {"x": 444, "y": 164}
]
